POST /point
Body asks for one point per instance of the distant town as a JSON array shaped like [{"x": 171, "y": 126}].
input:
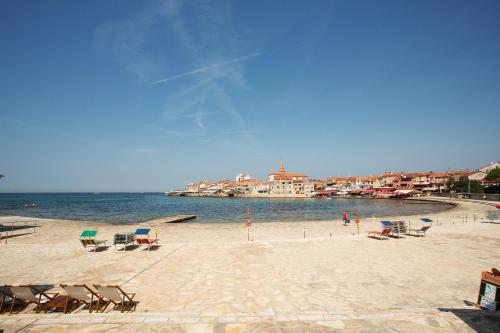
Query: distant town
[{"x": 284, "y": 184}]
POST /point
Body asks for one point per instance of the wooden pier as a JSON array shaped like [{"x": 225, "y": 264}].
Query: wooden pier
[{"x": 170, "y": 219}]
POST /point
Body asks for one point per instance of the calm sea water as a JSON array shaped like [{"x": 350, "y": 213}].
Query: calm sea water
[{"x": 133, "y": 207}]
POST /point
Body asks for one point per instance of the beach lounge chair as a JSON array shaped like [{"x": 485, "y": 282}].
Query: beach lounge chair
[
  {"x": 93, "y": 243},
  {"x": 149, "y": 242},
  {"x": 142, "y": 238},
  {"x": 5, "y": 297},
  {"x": 81, "y": 293},
  {"x": 123, "y": 238},
  {"x": 87, "y": 238},
  {"x": 30, "y": 294},
  {"x": 419, "y": 232},
  {"x": 398, "y": 229},
  {"x": 115, "y": 295},
  {"x": 380, "y": 234}
]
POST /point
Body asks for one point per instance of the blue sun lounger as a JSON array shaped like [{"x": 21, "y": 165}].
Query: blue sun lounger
[
  {"x": 422, "y": 230},
  {"x": 142, "y": 238}
]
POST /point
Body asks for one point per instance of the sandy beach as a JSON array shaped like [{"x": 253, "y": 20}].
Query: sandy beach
[{"x": 209, "y": 278}]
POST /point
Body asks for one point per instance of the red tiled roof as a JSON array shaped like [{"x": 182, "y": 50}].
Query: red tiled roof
[
  {"x": 288, "y": 174},
  {"x": 438, "y": 175}
]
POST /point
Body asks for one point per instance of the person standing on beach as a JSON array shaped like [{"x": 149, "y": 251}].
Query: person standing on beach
[
  {"x": 346, "y": 217},
  {"x": 356, "y": 218}
]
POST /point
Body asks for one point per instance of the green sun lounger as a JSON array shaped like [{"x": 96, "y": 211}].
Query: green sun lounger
[{"x": 87, "y": 238}]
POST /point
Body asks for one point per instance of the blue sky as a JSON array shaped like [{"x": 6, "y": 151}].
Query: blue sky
[{"x": 149, "y": 95}]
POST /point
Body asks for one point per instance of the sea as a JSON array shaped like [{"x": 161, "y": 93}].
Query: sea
[{"x": 138, "y": 207}]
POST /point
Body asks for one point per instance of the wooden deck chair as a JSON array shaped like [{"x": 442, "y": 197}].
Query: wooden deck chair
[
  {"x": 384, "y": 233},
  {"x": 30, "y": 294},
  {"x": 115, "y": 295},
  {"x": 81, "y": 293},
  {"x": 419, "y": 232},
  {"x": 6, "y": 297}
]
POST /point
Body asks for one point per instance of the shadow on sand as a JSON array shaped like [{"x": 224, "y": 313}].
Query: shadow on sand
[{"x": 482, "y": 321}]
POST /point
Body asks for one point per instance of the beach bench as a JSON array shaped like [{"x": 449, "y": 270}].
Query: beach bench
[
  {"x": 124, "y": 239},
  {"x": 419, "y": 232},
  {"x": 380, "y": 234},
  {"x": 142, "y": 238},
  {"x": 81, "y": 293},
  {"x": 115, "y": 295},
  {"x": 30, "y": 294}
]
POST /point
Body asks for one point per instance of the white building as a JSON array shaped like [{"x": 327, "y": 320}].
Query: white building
[
  {"x": 481, "y": 173},
  {"x": 242, "y": 177}
]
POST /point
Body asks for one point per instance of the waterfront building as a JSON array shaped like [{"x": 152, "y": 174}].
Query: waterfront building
[
  {"x": 192, "y": 187},
  {"x": 404, "y": 181},
  {"x": 438, "y": 180},
  {"x": 389, "y": 178},
  {"x": 422, "y": 182},
  {"x": 344, "y": 183},
  {"x": 457, "y": 174},
  {"x": 286, "y": 184},
  {"x": 259, "y": 188},
  {"x": 319, "y": 185},
  {"x": 369, "y": 182},
  {"x": 481, "y": 173}
]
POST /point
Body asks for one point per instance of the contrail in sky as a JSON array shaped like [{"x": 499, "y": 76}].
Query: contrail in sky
[{"x": 207, "y": 68}]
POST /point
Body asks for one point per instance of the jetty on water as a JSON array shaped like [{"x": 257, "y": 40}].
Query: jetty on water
[{"x": 171, "y": 219}]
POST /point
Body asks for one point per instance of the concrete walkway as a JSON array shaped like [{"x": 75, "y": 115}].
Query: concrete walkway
[{"x": 408, "y": 320}]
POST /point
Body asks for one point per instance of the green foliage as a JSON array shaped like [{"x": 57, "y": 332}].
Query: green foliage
[
  {"x": 463, "y": 186},
  {"x": 493, "y": 175}
]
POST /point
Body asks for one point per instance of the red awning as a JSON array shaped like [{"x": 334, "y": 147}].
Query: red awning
[{"x": 328, "y": 192}]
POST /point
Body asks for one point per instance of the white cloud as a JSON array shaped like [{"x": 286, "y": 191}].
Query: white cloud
[
  {"x": 145, "y": 151},
  {"x": 206, "y": 39},
  {"x": 208, "y": 68}
]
